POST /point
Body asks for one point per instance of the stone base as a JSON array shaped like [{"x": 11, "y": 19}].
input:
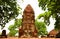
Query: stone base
[{"x": 27, "y": 38}]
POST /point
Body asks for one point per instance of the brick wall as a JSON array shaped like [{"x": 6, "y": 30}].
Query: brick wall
[{"x": 29, "y": 38}]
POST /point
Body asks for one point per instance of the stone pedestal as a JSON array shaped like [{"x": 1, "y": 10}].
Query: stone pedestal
[{"x": 28, "y": 28}]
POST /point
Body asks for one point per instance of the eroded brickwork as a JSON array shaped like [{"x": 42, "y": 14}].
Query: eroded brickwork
[{"x": 28, "y": 28}]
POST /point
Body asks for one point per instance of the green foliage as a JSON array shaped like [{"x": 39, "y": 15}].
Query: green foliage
[
  {"x": 41, "y": 26},
  {"x": 8, "y": 10},
  {"x": 13, "y": 32},
  {"x": 57, "y": 23},
  {"x": 46, "y": 16},
  {"x": 13, "y": 28},
  {"x": 54, "y": 7},
  {"x": 18, "y": 22},
  {"x": 43, "y": 3}
]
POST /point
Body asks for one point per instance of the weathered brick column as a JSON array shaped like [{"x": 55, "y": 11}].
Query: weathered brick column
[{"x": 28, "y": 28}]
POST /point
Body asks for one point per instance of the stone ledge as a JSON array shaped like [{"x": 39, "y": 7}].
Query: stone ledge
[{"x": 29, "y": 38}]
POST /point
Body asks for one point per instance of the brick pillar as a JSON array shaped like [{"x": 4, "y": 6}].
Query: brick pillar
[{"x": 28, "y": 23}]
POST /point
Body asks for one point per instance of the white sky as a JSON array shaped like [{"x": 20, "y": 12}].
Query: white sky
[
  {"x": 33, "y": 3},
  {"x": 37, "y": 10}
]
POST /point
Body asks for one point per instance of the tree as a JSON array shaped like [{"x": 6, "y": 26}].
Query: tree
[
  {"x": 41, "y": 26},
  {"x": 46, "y": 15},
  {"x": 8, "y": 10},
  {"x": 54, "y": 7},
  {"x": 13, "y": 28}
]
